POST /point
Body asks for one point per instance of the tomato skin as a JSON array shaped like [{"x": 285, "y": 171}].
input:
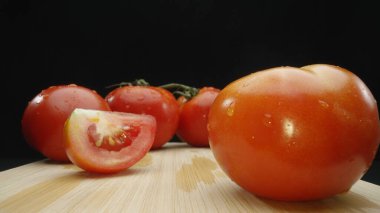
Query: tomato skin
[
  {"x": 44, "y": 117},
  {"x": 295, "y": 133},
  {"x": 192, "y": 127},
  {"x": 86, "y": 155},
  {"x": 150, "y": 100}
]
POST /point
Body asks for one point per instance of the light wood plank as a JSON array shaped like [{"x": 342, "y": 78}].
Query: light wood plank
[{"x": 177, "y": 178}]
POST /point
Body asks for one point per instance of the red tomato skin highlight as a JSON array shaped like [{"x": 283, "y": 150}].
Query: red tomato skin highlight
[
  {"x": 295, "y": 134},
  {"x": 192, "y": 127},
  {"x": 149, "y": 100},
  {"x": 44, "y": 117}
]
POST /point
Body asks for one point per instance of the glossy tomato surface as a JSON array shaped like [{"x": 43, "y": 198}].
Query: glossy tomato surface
[
  {"x": 45, "y": 115},
  {"x": 192, "y": 127},
  {"x": 107, "y": 142},
  {"x": 149, "y": 100},
  {"x": 295, "y": 133}
]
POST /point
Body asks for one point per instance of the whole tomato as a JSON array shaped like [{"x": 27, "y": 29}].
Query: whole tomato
[
  {"x": 192, "y": 127},
  {"x": 149, "y": 100},
  {"x": 44, "y": 117},
  {"x": 295, "y": 133}
]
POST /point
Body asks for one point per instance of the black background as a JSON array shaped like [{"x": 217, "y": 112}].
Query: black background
[{"x": 196, "y": 42}]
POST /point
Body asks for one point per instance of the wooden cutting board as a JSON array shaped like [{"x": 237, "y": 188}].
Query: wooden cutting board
[{"x": 177, "y": 178}]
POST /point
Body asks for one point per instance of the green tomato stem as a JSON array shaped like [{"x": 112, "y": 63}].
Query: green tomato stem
[
  {"x": 137, "y": 82},
  {"x": 181, "y": 90},
  {"x": 176, "y": 89}
]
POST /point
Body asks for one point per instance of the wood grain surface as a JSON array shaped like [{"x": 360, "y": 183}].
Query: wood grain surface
[{"x": 177, "y": 178}]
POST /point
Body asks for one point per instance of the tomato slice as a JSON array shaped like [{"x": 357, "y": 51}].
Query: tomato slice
[{"x": 107, "y": 142}]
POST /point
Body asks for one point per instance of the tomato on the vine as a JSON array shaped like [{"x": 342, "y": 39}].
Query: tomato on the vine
[
  {"x": 44, "y": 117},
  {"x": 192, "y": 127},
  {"x": 150, "y": 100},
  {"x": 295, "y": 133},
  {"x": 107, "y": 142}
]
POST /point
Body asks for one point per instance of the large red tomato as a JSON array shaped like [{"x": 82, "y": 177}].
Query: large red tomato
[
  {"x": 295, "y": 133},
  {"x": 150, "y": 100},
  {"x": 107, "y": 142},
  {"x": 45, "y": 115},
  {"x": 192, "y": 127}
]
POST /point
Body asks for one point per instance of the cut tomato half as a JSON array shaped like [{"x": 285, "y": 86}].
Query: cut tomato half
[{"x": 107, "y": 142}]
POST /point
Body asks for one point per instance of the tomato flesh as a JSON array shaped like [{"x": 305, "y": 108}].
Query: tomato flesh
[
  {"x": 107, "y": 142},
  {"x": 118, "y": 139}
]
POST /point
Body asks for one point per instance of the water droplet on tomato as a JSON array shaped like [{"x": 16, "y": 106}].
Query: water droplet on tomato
[
  {"x": 229, "y": 104},
  {"x": 252, "y": 140},
  {"x": 323, "y": 104},
  {"x": 268, "y": 123},
  {"x": 38, "y": 99},
  {"x": 230, "y": 111},
  {"x": 267, "y": 120},
  {"x": 208, "y": 127}
]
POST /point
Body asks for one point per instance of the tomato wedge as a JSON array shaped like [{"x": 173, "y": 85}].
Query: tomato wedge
[{"x": 107, "y": 142}]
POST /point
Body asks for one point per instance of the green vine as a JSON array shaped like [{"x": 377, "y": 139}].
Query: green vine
[
  {"x": 175, "y": 88},
  {"x": 181, "y": 90}
]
